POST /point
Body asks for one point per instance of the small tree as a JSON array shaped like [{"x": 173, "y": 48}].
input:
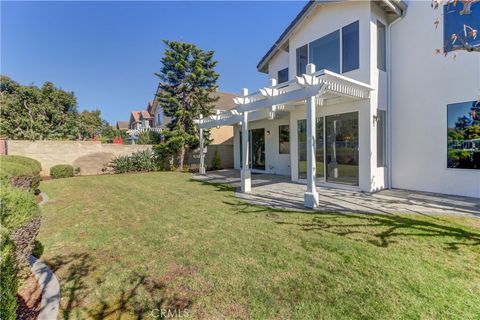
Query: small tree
[{"x": 188, "y": 79}]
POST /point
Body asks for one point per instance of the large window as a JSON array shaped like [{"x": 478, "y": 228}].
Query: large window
[
  {"x": 350, "y": 47},
  {"x": 302, "y": 149},
  {"x": 463, "y": 135},
  {"x": 381, "y": 138},
  {"x": 284, "y": 139},
  {"x": 302, "y": 60},
  {"x": 381, "y": 46},
  {"x": 324, "y": 53},
  {"x": 454, "y": 22},
  {"x": 282, "y": 75}
]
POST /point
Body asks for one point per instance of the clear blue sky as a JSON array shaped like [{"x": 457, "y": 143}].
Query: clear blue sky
[{"x": 107, "y": 52}]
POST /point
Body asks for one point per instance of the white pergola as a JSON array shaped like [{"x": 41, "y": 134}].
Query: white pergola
[{"x": 312, "y": 89}]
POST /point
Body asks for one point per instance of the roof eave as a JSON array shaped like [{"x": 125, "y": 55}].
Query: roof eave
[{"x": 397, "y": 7}]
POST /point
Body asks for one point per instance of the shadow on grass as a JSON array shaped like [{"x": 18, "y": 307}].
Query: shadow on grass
[
  {"x": 79, "y": 286},
  {"x": 382, "y": 229}
]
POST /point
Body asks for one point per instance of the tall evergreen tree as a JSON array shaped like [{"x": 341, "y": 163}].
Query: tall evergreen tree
[{"x": 188, "y": 81}]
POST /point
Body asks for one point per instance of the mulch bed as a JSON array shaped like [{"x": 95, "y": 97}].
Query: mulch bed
[{"x": 29, "y": 298}]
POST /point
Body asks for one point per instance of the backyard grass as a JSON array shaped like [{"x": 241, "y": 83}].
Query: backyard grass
[{"x": 125, "y": 245}]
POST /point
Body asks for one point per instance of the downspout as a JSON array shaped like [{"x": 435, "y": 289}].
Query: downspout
[{"x": 389, "y": 97}]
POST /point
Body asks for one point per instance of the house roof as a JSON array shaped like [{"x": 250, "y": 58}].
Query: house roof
[
  {"x": 137, "y": 115},
  {"x": 122, "y": 125},
  {"x": 225, "y": 102},
  {"x": 396, "y": 7}
]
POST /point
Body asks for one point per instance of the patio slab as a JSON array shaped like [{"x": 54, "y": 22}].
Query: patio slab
[{"x": 280, "y": 193}]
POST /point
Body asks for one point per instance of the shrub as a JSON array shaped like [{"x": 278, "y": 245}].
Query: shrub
[
  {"x": 140, "y": 161},
  {"x": 19, "y": 175},
  {"x": 8, "y": 276},
  {"x": 29, "y": 162},
  {"x": 61, "y": 171},
  {"x": 149, "y": 137},
  {"x": 216, "y": 161},
  {"x": 17, "y": 207}
]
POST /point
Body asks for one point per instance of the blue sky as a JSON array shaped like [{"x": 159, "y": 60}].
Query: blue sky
[{"x": 107, "y": 52}]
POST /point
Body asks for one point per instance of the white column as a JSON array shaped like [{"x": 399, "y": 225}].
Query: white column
[
  {"x": 246, "y": 176},
  {"x": 311, "y": 195},
  {"x": 201, "y": 170}
]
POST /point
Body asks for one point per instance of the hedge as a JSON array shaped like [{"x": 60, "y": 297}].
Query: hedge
[
  {"x": 62, "y": 171},
  {"x": 17, "y": 207},
  {"x": 8, "y": 276},
  {"x": 19, "y": 175},
  {"x": 29, "y": 162}
]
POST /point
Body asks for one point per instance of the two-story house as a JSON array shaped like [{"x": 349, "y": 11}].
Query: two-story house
[{"x": 358, "y": 99}]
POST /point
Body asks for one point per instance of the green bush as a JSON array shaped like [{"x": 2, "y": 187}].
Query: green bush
[
  {"x": 149, "y": 137},
  {"x": 8, "y": 276},
  {"x": 19, "y": 175},
  {"x": 62, "y": 171},
  {"x": 17, "y": 207},
  {"x": 216, "y": 161},
  {"x": 140, "y": 161},
  {"x": 29, "y": 162}
]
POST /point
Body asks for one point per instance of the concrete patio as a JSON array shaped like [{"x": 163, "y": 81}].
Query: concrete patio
[{"x": 280, "y": 193}]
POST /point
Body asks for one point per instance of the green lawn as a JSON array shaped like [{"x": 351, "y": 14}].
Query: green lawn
[{"x": 126, "y": 244}]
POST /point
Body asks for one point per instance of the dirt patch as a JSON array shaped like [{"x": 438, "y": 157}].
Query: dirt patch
[{"x": 29, "y": 298}]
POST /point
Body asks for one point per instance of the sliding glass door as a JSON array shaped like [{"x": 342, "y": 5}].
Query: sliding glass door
[
  {"x": 340, "y": 148},
  {"x": 302, "y": 148},
  {"x": 256, "y": 147}
]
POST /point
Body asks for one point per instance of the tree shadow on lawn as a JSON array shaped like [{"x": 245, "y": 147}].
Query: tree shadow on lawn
[
  {"x": 158, "y": 295},
  {"x": 383, "y": 229}
]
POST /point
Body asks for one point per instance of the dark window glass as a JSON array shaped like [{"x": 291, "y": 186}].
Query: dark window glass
[
  {"x": 381, "y": 138},
  {"x": 302, "y": 148},
  {"x": 350, "y": 47},
  {"x": 324, "y": 53},
  {"x": 454, "y": 20},
  {"x": 284, "y": 139},
  {"x": 302, "y": 60},
  {"x": 463, "y": 135},
  {"x": 282, "y": 75},
  {"x": 342, "y": 148},
  {"x": 381, "y": 46}
]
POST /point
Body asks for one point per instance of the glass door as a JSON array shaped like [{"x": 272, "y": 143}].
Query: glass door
[
  {"x": 302, "y": 148},
  {"x": 342, "y": 148},
  {"x": 257, "y": 151}
]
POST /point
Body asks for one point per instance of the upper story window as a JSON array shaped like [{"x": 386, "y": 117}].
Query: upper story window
[
  {"x": 381, "y": 46},
  {"x": 458, "y": 26},
  {"x": 302, "y": 60},
  {"x": 282, "y": 75},
  {"x": 350, "y": 47},
  {"x": 326, "y": 52}
]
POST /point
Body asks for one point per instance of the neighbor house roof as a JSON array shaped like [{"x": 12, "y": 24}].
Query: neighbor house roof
[
  {"x": 137, "y": 115},
  {"x": 225, "y": 101},
  {"x": 396, "y": 7},
  {"x": 122, "y": 125}
]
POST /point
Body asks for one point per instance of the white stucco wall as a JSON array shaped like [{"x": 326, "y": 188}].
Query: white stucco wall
[
  {"x": 274, "y": 161},
  {"x": 423, "y": 84},
  {"x": 278, "y": 62}
]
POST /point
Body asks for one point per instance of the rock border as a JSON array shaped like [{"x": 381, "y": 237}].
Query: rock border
[{"x": 49, "y": 287}]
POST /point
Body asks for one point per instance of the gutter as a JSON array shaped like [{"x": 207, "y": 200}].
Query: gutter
[{"x": 389, "y": 95}]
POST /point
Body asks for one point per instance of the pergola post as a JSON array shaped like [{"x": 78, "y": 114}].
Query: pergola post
[
  {"x": 246, "y": 177},
  {"x": 311, "y": 195},
  {"x": 201, "y": 170}
]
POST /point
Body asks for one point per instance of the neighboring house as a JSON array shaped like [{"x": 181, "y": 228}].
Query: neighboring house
[
  {"x": 122, "y": 125},
  {"x": 140, "y": 120},
  {"x": 359, "y": 99}
]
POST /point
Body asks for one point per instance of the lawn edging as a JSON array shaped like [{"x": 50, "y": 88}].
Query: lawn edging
[{"x": 49, "y": 287}]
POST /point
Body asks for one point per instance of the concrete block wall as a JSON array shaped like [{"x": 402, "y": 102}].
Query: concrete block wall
[{"x": 89, "y": 156}]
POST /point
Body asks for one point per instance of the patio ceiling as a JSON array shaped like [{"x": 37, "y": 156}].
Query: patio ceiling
[{"x": 327, "y": 86}]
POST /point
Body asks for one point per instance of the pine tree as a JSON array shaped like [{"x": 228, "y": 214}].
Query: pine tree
[{"x": 188, "y": 81}]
